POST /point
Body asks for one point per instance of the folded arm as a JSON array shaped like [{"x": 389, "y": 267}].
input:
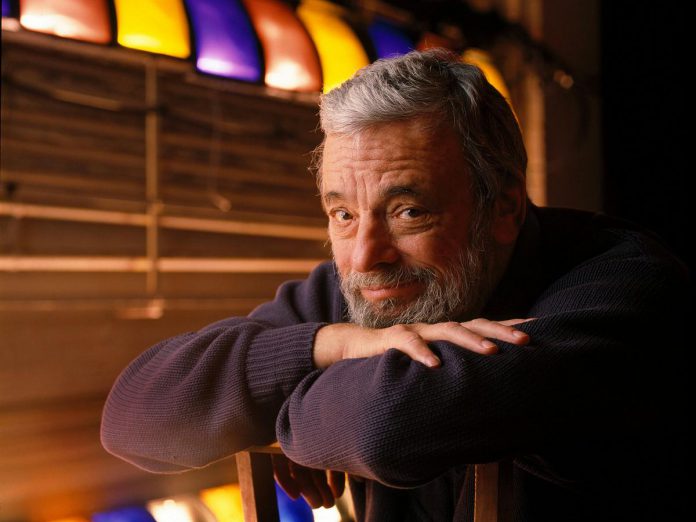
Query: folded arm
[
  {"x": 205, "y": 395},
  {"x": 597, "y": 343}
]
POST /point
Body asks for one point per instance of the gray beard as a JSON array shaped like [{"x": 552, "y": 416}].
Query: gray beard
[{"x": 458, "y": 294}]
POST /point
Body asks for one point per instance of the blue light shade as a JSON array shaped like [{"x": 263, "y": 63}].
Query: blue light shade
[
  {"x": 290, "y": 510},
  {"x": 126, "y": 514},
  {"x": 226, "y": 44},
  {"x": 388, "y": 39},
  {"x": 6, "y": 9}
]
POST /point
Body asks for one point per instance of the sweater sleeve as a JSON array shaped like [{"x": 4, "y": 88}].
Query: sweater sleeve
[
  {"x": 600, "y": 361},
  {"x": 202, "y": 396}
]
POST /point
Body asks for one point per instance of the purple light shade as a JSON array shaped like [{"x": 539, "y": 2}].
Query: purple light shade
[
  {"x": 6, "y": 9},
  {"x": 126, "y": 514},
  {"x": 226, "y": 44},
  {"x": 388, "y": 39}
]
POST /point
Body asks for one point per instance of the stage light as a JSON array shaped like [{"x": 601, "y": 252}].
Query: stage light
[
  {"x": 226, "y": 44},
  {"x": 388, "y": 39},
  {"x": 156, "y": 26},
  {"x": 225, "y": 502},
  {"x": 340, "y": 52},
  {"x": 86, "y": 20},
  {"x": 124, "y": 514},
  {"x": 292, "y": 510},
  {"x": 291, "y": 59},
  {"x": 484, "y": 61}
]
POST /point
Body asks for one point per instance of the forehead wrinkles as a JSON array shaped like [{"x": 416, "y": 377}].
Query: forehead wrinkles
[{"x": 364, "y": 154}]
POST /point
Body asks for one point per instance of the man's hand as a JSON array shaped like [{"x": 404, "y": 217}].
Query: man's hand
[
  {"x": 335, "y": 342},
  {"x": 319, "y": 488}
]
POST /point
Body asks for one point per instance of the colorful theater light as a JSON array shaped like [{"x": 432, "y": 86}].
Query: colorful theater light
[
  {"x": 6, "y": 9},
  {"x": 225, "y": 502},
  {"x": 86, "y": 20},
  {"x": 183, "y": 508},
  {"x": 484, "y": 61},
  {"x": 388, "y": 39},
  {"x": 340, "y": 51},
  {"x": 292, "y": 62},
  {"x": 156, "y": 26},
  {"x": 432, "y": 40},
  {"x": 225, "y": 41},
  {"x": 125, "y": 514},
  {"x": 290, "y": 510}
]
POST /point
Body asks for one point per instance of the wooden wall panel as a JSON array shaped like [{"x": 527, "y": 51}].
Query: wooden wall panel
[{"x": 73, "y": 185}]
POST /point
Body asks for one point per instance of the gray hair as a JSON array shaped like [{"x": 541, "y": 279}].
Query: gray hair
[{"x": 435, "y": 86}]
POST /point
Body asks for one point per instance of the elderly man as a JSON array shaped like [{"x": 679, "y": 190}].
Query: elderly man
[{"x": 381, "y": 365}]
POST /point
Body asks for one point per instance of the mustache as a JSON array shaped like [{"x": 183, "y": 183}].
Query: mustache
[{"x": 389, "y": 276}]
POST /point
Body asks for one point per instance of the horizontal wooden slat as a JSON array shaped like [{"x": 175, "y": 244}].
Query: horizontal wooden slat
[
  {"x": 163, "y": 264},
  {"x": 21, "y": 211},
  {"x": 108, "y": 285}
]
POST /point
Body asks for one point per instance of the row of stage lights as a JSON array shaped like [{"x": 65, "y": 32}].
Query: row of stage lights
[
  {"x": 220, "y": 504},
  {"x": 312, "y": 47}
]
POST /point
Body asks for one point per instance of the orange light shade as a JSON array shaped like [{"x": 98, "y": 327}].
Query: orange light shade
[
  {"x": 340, "y": 52},
  {"x": 432, "y": 40},
  {"x": 484, "y": 61},
  {"x": 86, "y": 20},
  {"x": 292, "y": 62},
  {"x": 156, "y": 26}
]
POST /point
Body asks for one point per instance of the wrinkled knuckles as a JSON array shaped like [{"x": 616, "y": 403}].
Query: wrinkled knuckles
[{"x": 451, "y": 324}]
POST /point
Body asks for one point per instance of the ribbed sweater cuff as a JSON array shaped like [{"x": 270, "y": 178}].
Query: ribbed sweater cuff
[{"x": 278, "y": 359}]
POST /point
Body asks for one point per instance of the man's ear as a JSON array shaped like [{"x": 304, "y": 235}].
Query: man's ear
[{"x": 510, "y": 210}]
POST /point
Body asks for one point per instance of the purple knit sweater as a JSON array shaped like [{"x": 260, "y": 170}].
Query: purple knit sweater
[{"x": 589, "y": 411}]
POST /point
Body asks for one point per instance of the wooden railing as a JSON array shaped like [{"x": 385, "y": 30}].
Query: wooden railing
[{"x": 492, "y": 489}]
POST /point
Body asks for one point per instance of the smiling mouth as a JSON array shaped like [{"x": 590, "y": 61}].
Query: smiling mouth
[{"x": 380, "y": 292}]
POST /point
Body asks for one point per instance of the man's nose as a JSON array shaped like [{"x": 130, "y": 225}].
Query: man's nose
[{"x": 374, "y": 245}]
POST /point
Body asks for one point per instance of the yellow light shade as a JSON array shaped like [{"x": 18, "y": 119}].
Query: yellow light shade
[
  {"x": 225, "y": 502},
  {"x": 484, "y": 61},
  {"x": 155, "y": 26},
  {"x": 340, "y": 52}
]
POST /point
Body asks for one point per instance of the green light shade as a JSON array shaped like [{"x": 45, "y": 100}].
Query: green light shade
[
  {"x": 292, "y": 62},
  {"x": 86, "y": 20},
  {"x": 340, "y": 52},
  {"x": 155, "y": 26}
]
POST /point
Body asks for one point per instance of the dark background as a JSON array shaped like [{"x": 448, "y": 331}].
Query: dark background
[{"x": 646, "y": 117}]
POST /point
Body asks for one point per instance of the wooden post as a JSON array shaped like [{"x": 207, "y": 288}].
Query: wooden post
[
  {"x": 255, "y": 473},
  {"x": 493, "y": 492}
]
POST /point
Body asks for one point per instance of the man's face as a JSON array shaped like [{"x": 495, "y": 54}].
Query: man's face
[{"x": 400, "y": 210}]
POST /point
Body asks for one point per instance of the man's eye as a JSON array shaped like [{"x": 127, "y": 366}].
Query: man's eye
[
  {"x": 341, "y": 216},
  {"x": 412, "y": 213}
]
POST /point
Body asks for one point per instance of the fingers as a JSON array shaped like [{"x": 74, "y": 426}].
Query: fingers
[
  {"x": 512, "y": 322},
  {"x": 474, "y": 335},
  {"x": 318, "y": 487},
  {"x": 337, "y": 482},
  {"x": 281, "y": 472},
  {"x": 407, "y": 339},
  {"x": 305, "y": 480},
  {"x": 473, "y": 339},
  {"x": 320, "y": 478},
  {"x": 502, "y": 330}
]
